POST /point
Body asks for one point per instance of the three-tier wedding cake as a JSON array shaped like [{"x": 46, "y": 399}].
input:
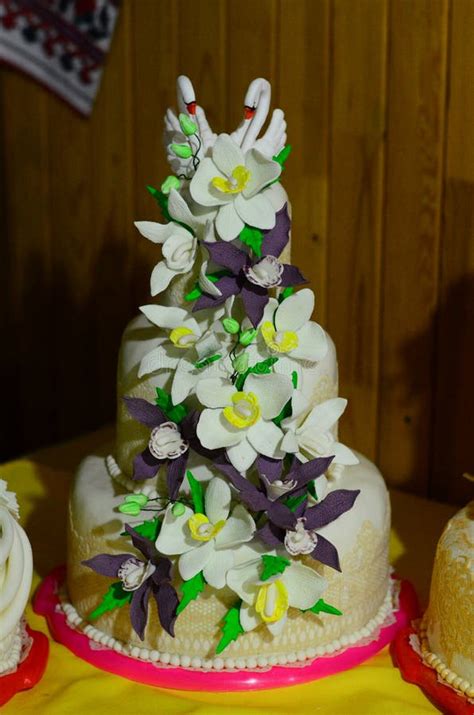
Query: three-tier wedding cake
[{"x": 229, "y": 528}]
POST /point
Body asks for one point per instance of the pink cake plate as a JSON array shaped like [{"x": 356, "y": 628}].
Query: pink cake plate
[
  {"x": 30, "y": 671},
  {"x": 47, "y": 601},
  {"x": 415, "y": 671}
]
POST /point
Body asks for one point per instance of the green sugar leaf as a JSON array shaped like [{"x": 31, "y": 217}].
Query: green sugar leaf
[
  {"x": 196, "y": 493},
  {"x": 283, "y": 155},
  {"x": 294, "y": 379},
  {"x": 286, "y": 292},
  {"x": 322, "y": 607},
  {"x": 191, "y": 590},
  {"x": 253, "y": 238},
  {"x": 175, "y": 413},
  {"x": 293, "y": 502},
  {"x": 193, "y": 294},
  {"x": 197, "y": 291},
  {"x": 148, "y": 529},
  {"x": 231, "y": 628},
  {"x": 162, "y": 201},
  {"x": 273, "y": 565},
  {"x": 207, "y": 361},
  {"x": 115, "y": 597},
  {"x": 163, "y": 400}
]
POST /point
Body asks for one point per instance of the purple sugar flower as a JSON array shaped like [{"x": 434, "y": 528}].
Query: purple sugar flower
[
  {"x": 144, "y": 579},
  {"x": 293, "y": 484},
  {"x": 253, "y": 277},
  {"x": 169, "y": 443},
  {"x": 303, "y": 536}
]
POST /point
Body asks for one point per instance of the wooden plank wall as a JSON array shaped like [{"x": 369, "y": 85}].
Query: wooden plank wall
[{"x": 379, "y": 98}]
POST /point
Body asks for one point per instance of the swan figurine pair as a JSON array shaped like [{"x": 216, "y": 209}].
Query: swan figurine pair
[
  {"x": 246, "y": 136},
  {"x": 16, "y": 569}
]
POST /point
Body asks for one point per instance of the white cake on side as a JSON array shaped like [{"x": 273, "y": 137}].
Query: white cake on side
[{"x": 16, "y": 569}]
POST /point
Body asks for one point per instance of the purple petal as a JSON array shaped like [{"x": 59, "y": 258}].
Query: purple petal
[
  {"x": 271, "y": 535},
  {"x": 249, "y": 493},
  {"x": 335, "y": 504},
  {"x": 255, "y": 299},
  {"x": 228, "y": 285},
  {"x": 291, "y": 276},
  {"x": 188, "y": 425},
  {"x": 162, "y": 572},
  {"x": 326, "y": 553},
  {"x": 305, "y": 473},
  {"x": 145, "y": 465},
  {"x": 107, "y": 565},
  {"x": 275, "y": 240},
  {"x": 144, "y": 412},
  {"x": 175, "y": 475},
  {"x": 281, "y": 515},
  {"x": 227, "y": 256},
  {"x": 139, "y": 609},
  {"x": 167, "y": 602},
  {"x": 144, "y": 545},
  {"x": 269, "y": 468}
]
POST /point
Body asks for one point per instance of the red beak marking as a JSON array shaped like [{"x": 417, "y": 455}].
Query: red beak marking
[
  {"x": 249, "y": 112},
  {"x": 191, "y": 107}
]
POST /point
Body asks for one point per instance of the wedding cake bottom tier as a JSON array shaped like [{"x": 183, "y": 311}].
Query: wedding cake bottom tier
[{"x": 361, "y": 591}]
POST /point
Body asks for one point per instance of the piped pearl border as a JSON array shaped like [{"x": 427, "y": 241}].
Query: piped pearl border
[
  {"x": 447, "y": 675},
  {"x": 365, "y": 635},
  {"x": 118, "y": 476},
  {"x": 18, "y": 651}
]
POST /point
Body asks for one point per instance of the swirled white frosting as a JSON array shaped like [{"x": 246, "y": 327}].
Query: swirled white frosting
[{"x": 16, "y": 569}]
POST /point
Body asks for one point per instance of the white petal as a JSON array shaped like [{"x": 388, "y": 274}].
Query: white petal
[
  {"x": 323, "y": 416},
  {"x": 343, "y": 455},
  {"x": 242, "y": 455},
  {"x": 256, "y": 211},
  {"x": 174, "y": 537},
  {"x": 249, "y": 618},
  {"x": 217, "y": 500},
  {"x": 304, "y": 585},
  {"x": 269, "y": 311},
  {"x": 300, "y": 405},
  {"x": 164, "y": 317},
  {"x": 277, "y": 196},
  {"x": 295, "y": 311},
  {"x": 194, "y": 561},
  {"x": 156, "y": 232},
  {"x": 215, "y": 571},
  {"x": 179, "y": 210},
  {"x": 156, "y": 359},
  {"x": 214, "y": 431},
  {"x": 201, "y": 188},
  {"x": 228, "y": 222},
  {"x": 184, "y": 381},
  {"x": 227, "y": 155},
  {"x": 238, "y": 529},
  {"x": 215, "y": 392},
  {"x": 277, "y": 627},
  {"x": 273, "y": 392},
  {"x": 312, "y": 343},
  {"x": 289, "y": 443},
  {"x": 262, "y": 172},
  {"x": 161, "y": 277},
  {"x": 242, "y": 580},
  {"x": 266, "y": 438},
  {"x": 206, "y": 285}
]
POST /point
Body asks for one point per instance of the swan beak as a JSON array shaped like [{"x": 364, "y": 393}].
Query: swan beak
[
  {"x": 191, "y": 107},
  {"x": 249, "y": 112}
]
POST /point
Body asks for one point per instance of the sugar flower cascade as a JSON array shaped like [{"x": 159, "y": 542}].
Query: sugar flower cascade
[{"x": 244, "y": 460}]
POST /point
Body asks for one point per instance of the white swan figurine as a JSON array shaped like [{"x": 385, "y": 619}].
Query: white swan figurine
[
  {"x": 16, "y": 569},
  {"x": 256, "y": 108}
]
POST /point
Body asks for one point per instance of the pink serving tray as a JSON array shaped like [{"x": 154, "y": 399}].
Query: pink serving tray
[{"x": 46, "y": 603}]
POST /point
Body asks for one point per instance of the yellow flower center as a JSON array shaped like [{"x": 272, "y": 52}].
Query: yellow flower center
[
  {"x": 279, "y": 341},
  {"x": 244, "y": 411},
  {"x": 272, "y": 601},
  {"x": 201, "y": 528},
  {"x": 183, "y": 337},
  {"x": 235, "y": 183}
]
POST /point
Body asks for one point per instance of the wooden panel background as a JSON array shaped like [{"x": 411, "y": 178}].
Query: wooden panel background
[{"x": 379, "y": 97}]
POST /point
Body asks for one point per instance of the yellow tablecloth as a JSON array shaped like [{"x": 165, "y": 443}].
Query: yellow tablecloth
[{"x": 72, "y": 686}]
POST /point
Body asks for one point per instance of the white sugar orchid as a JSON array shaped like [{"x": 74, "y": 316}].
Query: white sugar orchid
[
  {"x": 206, "y": 542},
  {"x": 286, "y": 331},
  {"x": 179, "y": 245},
  {"x": 190, "y": 340},
  {"x": 308, "y": 434},
  {"x": 241, "y": 421},
  {"x": 268, "y": 601},
  {"x": 235, "y": 183}
]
